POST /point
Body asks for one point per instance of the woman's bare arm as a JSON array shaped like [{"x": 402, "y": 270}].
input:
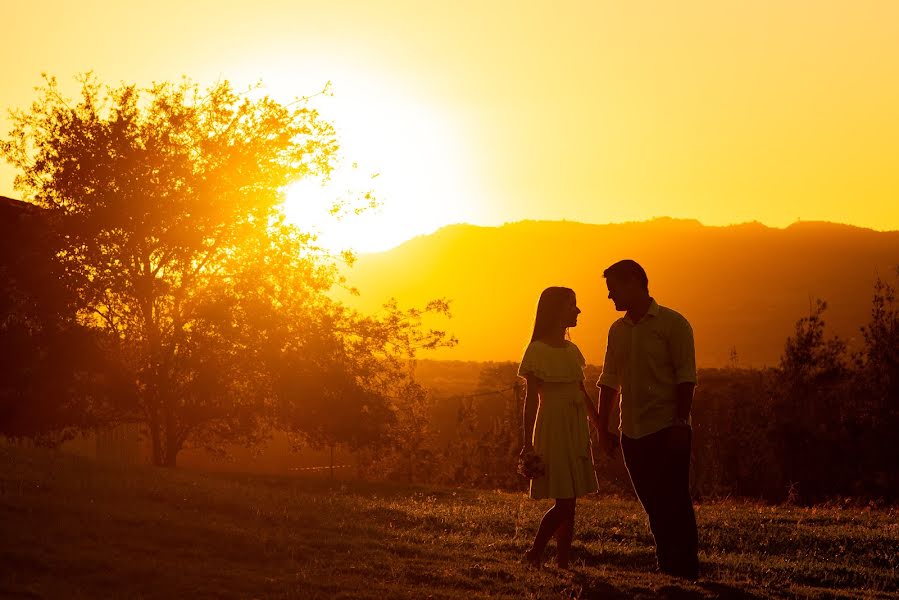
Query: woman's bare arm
[{"x": 530, "y": 410}]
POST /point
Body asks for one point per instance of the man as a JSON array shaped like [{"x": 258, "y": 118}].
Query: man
[{"x": 650, "y": 360}]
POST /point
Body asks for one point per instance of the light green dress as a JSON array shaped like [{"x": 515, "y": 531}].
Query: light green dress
[{"x": 561, "y": 433}]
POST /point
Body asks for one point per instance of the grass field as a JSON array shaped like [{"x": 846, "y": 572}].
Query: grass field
[{"x": 71, "y": 528}]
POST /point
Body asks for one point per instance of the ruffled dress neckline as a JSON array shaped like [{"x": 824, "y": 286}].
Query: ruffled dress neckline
[{"x": 553, "y": 364}]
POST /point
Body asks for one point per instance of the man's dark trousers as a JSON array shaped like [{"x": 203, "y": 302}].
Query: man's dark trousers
[{"x": 661, "y": 478}]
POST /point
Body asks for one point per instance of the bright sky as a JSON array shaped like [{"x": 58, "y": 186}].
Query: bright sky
[{"x": 487, "y": 112}]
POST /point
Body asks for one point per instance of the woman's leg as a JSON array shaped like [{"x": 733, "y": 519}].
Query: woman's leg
[
  {"x": 552, "y": 520},
  {"x": 565, "y": 531}
]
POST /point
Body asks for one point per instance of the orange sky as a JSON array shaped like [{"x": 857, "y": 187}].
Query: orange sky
[{"x": 488, "y": 112}]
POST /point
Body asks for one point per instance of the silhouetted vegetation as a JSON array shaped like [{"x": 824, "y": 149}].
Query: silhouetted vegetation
[
  {"x": 151, "y": 280},
  {"x": 54, "y": 371},
  {"x": 178, "y": 275},
  {"x": 747, "y": 283},
  {"x": 817, "y": 427}
]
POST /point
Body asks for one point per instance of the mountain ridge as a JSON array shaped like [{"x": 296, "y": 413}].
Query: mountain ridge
[
  {"x": 743, "y": 286},
  {"x": 656, "y": 220}
]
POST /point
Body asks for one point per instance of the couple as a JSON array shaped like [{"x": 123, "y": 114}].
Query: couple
[{"x": 650, "y": 361}]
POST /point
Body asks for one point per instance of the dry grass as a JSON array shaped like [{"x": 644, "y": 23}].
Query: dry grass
[{"x": 71, "y": 528}]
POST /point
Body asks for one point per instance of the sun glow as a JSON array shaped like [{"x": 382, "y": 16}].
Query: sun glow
[
  {"x": 402, "y": 152},
  {"x": 338, "y": 211}
]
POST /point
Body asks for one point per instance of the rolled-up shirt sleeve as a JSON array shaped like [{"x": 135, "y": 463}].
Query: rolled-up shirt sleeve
[
  {"x": 683, "y": 352},
  {"x": 610, "y": 376}
]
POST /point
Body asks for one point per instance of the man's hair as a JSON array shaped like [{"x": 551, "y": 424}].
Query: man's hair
[{"x": 627, "y": 269}]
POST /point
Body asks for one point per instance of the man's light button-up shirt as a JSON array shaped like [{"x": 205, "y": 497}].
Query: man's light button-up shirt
[{"x": 645, "y": 361}]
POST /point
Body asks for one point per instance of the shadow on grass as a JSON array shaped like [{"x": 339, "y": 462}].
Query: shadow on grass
[
  {"x": 707, "y": 590},
  {"x": 596, "y": 589},
  {"x": 389, "y": 517},
  {"x": 642, "y": 561},
  {"x": 727, "y": 591}
]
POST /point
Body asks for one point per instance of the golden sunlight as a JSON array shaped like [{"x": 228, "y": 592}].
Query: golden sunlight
[
  {"x": 338, "y": 213},
  {"x": 279, "y": 282},
  {"x": 403, "y": 152}
]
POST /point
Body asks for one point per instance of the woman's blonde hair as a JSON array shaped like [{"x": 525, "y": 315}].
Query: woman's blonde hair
[{"x": 549, "y": 309}]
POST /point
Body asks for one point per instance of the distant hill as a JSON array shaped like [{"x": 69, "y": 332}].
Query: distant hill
[{"x": 742, "y": 286}]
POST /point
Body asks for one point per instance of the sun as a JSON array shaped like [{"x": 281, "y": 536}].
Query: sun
[
  {"x": 342, "y": 211},
  {"x": 406, "y": 150}
]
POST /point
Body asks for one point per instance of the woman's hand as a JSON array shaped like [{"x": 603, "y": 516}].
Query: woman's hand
[{"x": 592, "y": 414}]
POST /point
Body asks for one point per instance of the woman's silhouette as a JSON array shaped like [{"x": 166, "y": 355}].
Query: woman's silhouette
[{"x": 556, "y": 410}]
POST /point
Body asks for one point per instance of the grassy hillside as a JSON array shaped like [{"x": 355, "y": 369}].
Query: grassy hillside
[{"x": 71, "y": 528}]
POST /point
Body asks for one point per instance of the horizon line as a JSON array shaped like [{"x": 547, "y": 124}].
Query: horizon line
[{"x": 682, "y": 220}]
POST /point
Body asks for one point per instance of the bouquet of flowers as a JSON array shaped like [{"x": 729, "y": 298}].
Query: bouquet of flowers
[{"x": 530, "y": 465}]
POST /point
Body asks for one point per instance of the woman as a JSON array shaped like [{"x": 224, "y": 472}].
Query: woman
[{"x": 556, "y": 410}]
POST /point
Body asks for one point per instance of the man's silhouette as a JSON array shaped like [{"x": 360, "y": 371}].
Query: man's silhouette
[{"x": 650, "y": 360}]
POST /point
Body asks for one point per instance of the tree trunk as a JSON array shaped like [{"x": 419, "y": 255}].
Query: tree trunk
[
  {"x": 172, "y": 445},
  {"x": 173, "y": 442},
  {"x": 156, "y": 438},
  {"x": 171, "y": 456},
  {"x": 164, "y": 438}
]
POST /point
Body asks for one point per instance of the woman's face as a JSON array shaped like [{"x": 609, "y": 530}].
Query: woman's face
[{"x": 570, "y": 311}]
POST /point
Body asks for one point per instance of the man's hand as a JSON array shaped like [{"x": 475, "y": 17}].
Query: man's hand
[
  {"x": 595, "y": 423},
  {"x": 607, "y": 441}
]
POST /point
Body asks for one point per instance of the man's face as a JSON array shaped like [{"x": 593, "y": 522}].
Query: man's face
[{"x": 621, "y": 292}]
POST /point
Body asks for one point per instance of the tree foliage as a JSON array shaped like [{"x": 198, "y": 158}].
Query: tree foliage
[
  {"x": 878, "y": 362},
  {"x": 819, "y": 426},
  {"x": 165, "y": 205},
  {"x": 55, "y": 373}
]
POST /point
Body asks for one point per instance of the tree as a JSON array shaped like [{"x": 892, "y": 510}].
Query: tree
[
  {"x": 879, "y": 359},
  {"x": 348, "y": 380},
  {"x": 54, "y": 368},
  {"x": 162, "y": 199},
  {"x": 810, "y": 364},
  {"x": 501, "y": 443},
  {"x": 461, "y": 459},
  {"x": 484, "y": 450},
  {"x": 809, "y": 408},
  {"x": 409, "y": 452},
  {"x": 877, "y": 395}
]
